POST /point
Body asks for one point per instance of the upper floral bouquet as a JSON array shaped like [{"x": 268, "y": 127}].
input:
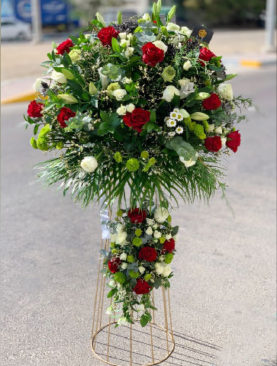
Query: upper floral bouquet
[{"x": 140, "y": 104}]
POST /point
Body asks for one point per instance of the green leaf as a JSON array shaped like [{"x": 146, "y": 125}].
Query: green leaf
[
  {"x": 100, "y": 19},
  {"x": 171, "y": 13},
  {"x": 36, "y": 129},
  {"x": 175, "y": 230},
  {"x": 68, "y": 74},
  {"x": 153, "y": 116},
  {"x": 155, "y": 11},
  {"x": 230, "y": 76},
  {"x": 159, "y": 6},
  {"x": 145, "y": 319},
  {"x": 112, "y": 293},
  {"x": 115, "y": 45},
  {"x": 119, "y": 17}
]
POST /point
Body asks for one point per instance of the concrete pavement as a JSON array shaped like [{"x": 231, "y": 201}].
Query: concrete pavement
[{"x": 224, "y": 306}]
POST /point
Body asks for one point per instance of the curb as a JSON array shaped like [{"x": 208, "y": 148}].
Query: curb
[
  {"x": 24, "y": 97},
  {"x": 257, "y": 63}
]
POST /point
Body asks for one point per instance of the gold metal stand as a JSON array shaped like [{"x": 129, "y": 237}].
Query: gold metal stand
[{"x": 130, "y": 345}]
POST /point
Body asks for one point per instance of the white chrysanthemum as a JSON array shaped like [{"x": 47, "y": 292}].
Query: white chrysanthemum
[
  {"x": 124, "y": 265},
  {"x": 161, "y": 45},
  {"x": 123, "y": 35},
  {"x": 89, "y": 164},
  {"x": 149, "y": 231},
  {"x": 168, "y": 237},
  {"x": 171, "y": 134},
  {"x": 172, "y": 27},
  {"x": 161, "y": 214},
  {"x": 141, "y": 269},
  {"x": 187, "y": 65},
  {"x": 159, "y": 268},
  {"x": 173, "y": 115},
  {"x": 126, "y": 80},
  {"x": 218, "y": 130},
  {"x": 225, "y": 91},
  {"x": 167, "y": 270},
  {"x": 179, "y": 130},
  {"x": 130, "y": 107},
  {"x": 163, "y": 269},
  {"x": 169, "y": 93},
  {"x": 58, "y": 77},
  {"x": 150, "y": 221},
  {"x": 119, "y": 94},
  {"x": 129, "y": 51},
  {"x": 177, "y": 110},
  {"x": 157, "y": 234},
  {"x": 188, "y": 163},
  {"x": 186, "y": 31},
  {"x": 171, "y": 123},
  {"x": 75, "y": 55},
  {"x": 179, "y": 117},
  {"x": 123, "y": 256},
  {"x": 121, "y": 110}
]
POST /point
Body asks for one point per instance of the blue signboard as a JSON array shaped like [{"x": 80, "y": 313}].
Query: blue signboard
[{"x": 53, "y": 12}]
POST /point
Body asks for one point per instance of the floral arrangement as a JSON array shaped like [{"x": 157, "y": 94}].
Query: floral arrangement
[
  {"x": 142, "y": 248},
  {"x": 137, "y": 111}
]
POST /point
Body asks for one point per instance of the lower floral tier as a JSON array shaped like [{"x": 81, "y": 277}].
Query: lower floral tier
[{"x": 130, "y": 344}]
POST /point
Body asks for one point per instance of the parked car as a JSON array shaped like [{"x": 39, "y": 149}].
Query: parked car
[{"x": 15, "y": 29}]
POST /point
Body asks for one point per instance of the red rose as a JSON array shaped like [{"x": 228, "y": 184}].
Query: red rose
[
  {"x": 211, "y": 103},
  {"x": 106, "y": 34},
  {"x": 151, "y": 55},
  {"x": 169, "y": 246},
  {"x": 205, "y": 54},
  {"x": 213, "y": 144},
  {"x": 137, "y": 215},
  {"x": 233, "y": 140},
  {"x": 148, "y": 254},
  {"x": 64, "y": 115},
  {"x": 64, "y": 47},
  {"x": 113, "y": 264},
  {"x": 142, "y": 287},
  {"x": 138, "y": 118},
  {"x": 34, "y": 109}
]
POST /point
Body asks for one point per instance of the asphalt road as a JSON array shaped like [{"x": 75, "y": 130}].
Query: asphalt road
[{"x": 224, "y": 286}]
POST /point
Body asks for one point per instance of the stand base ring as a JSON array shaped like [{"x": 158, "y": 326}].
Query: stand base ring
[{"x": 167, "y": 333}]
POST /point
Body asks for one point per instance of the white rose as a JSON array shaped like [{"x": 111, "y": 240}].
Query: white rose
[
  {"x": 225, "y": 91},
  {"x": 121, "y": 237},
  {"x": 75, "y": 55},
  {"x": 140, "y": 307},
  {"x": 119, "y": 94},
  {"x": 188, "y": 163},
  {"x": 187, "y": 65},
  {"x": 141, "y": 269},
  {"x": 122, "y": 321},
  {"x": 123, "y": 256},
  {"x": 124, "y": 43},
  {"x": 37, "y": 85},
  {"x": 167, "y": 270},
  {"x": 161, "y": 45},
  {"x": 157, "y": 234},
  {"x": 123, "y": 35},
  {"x": 58, "y": 77},
  {"x": 172, "y": 27},
  {"x": 186, "y": 31},
  {"x": 169, "y": 93},
  {"x": 149, "y": 231},
  {"x": 121, "y": 110},
  {"x": 210, "y": 128},
  {"x": 89, "y": 164},
  {"x": 126, "y": 80},
  {"x": 155, "y": 226},
  {"x": 161, "y": 214},
  {"x": 218, "y": 130},
  {"x": 223, "y": 141},
  {"x": 159, "y": 268},
  {"x": 124, "y": 265},
  {"x": 130, "y": 107},
  {"x": 129, "y": 52},
  {"x": 150, "y": 221},
  {"x": 187, "y": 87}
]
